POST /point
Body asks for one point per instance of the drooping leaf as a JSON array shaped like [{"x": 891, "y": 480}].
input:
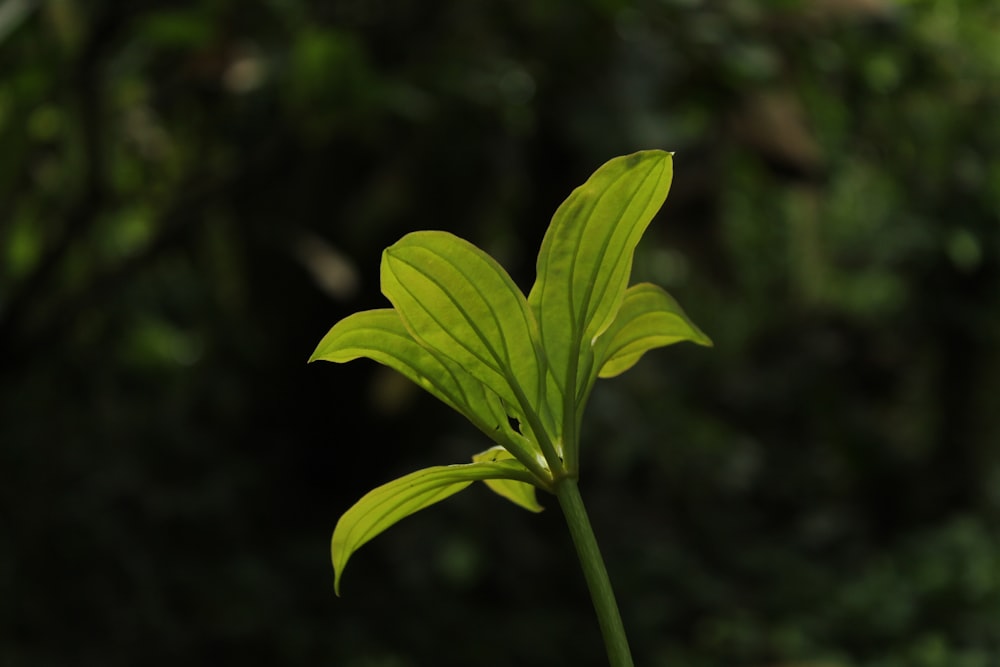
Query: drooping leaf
[
  {"x": 585, "y": 261},
  {"x": 648, "y": 318},
  {"x": 381, "y": 336},
  {"x": 382, "y": 507},
  {"x": 459, "y": 303},
  {"x": 519, "y": 493}
]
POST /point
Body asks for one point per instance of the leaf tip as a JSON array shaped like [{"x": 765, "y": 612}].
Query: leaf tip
[
  {"x": 338, "y": 565},
  {"x": 700, "y": 337}
]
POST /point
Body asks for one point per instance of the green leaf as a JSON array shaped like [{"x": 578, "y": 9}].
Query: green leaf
[
  {"x": 461, "y": 305},
  {"x": 648, "y": 318},
  {"x": 382, "y": 507},
  {"x": 584, "y": 266},
  {"x": 519, "y": 493},
  {"x": 381, "y": 336}
]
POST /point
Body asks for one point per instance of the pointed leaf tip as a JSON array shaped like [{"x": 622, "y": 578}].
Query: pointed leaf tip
[{"x": 648, "y": 318}]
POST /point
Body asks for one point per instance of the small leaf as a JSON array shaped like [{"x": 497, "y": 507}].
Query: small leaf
[
  {"x": 382, "y": 507},
  {"x": 517, "y": 492},
  {"x": 459, "y": 303},
  {"x": 648, "y": 318}
]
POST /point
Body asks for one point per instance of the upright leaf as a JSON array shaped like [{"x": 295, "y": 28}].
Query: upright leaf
[
  {"x": 382, "y": 507},
  {"x": 648, "y": 318},
  {"x": 460, "y": 304},
  {"x": 585, "y": 261}
]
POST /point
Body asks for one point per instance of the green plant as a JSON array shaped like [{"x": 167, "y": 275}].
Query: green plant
[{"x": 520, "y": 369}]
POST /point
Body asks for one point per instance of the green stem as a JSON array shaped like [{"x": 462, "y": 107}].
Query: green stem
[{"x": 595, "y": 573}]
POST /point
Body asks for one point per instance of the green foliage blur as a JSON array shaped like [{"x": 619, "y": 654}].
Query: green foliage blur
[{"x": 192, "y": 193}]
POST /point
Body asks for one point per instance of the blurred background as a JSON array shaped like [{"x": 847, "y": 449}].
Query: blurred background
[{"x": 192, "y": 193}]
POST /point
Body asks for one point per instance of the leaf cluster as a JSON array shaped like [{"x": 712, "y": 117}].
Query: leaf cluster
[{"x": 519, "y": 368}]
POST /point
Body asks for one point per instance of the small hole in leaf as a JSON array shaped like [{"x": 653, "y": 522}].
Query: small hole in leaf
[{"x": 514, "y": 424}]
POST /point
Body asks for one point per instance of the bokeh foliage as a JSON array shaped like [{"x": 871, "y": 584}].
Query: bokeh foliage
[{"x": 193, "y": 192}]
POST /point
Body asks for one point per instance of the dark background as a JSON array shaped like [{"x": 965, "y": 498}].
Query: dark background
[{"x": 191, "y": 194}]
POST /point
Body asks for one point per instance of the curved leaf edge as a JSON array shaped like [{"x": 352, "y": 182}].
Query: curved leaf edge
[{"x": 649, "y": 318}]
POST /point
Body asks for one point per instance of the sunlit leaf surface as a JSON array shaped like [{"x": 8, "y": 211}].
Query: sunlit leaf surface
[
  {"x": 648, "y": 318},
  {"x": 584, "y": 265},
  {"x": 457, "y": 301}
]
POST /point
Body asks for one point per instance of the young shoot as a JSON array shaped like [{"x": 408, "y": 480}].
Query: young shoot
[{"x": 519, "y": 368}]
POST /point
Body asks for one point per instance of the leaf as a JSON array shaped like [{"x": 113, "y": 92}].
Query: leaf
[
  {"x": 460, "y": 304},
  {"x": 648, "y": 318},
  {"x": 382, "y": 507},
  {"x": 584, "y": 265},
  {"x": 381, "y": 336},
  {"x": 519, "y": 493}
]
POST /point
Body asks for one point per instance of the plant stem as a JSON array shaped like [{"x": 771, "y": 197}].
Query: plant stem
[{"x": 595, "y": 573}]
